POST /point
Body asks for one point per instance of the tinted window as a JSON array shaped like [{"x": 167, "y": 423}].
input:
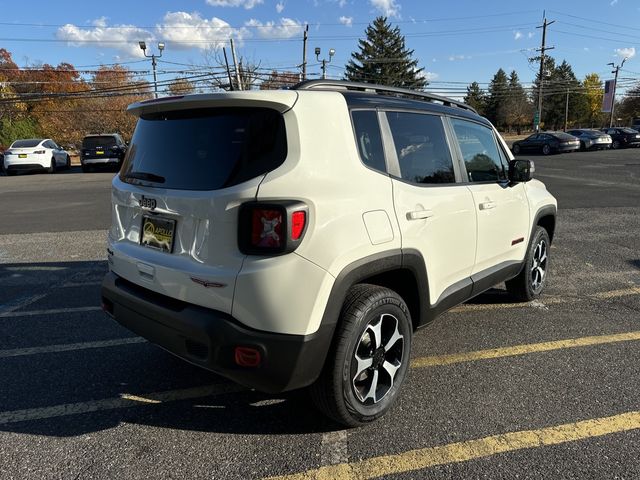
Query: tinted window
[
  {"x": 206, "y": 149},
  {"x": 563, "y": 136},
  {"x": 421, "y": 146},
  {"x": 367, "y": 130},
  {"x": 26, "y": 143},
  {"x": 628, "y": 130},
  {"x": 104, "y": 141},
  {"x": 479, "y": 151}
]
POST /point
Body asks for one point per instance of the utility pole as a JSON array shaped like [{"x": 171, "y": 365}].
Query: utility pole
[
  {"x": 615, "y": 84},
  {"x": 235, "y": 65},
  {"x": 143, "y": 47},
  {"x": 566, "y": 112},
  {"x": 226, "y": 62},
  {"x": 304, "y": 52},
  {"x": 543, "y": 48}
]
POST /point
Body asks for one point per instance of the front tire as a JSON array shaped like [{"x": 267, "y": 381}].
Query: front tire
[
  {"x": 368, "y": 360},
  {"x": 546, "y": 149},
  {"x": 615, "y": 145},
  {"x": 532, "y": 279},
  {"x": 516, "y": 149}
]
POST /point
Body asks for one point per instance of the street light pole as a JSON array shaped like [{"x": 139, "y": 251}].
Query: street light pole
[
  {"x": 143, "y": 47},
  {"x": 615, "y": 84},
  {"x": 324, "y": 61}
]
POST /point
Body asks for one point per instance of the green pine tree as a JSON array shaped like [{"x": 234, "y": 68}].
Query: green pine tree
[
  {"x": 384, "y": 59},
  {"x": 497, "y": 107},
  {"x": 476, "y": 98}
]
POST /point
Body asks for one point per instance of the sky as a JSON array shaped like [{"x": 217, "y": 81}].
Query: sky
[{"x": 456, "y": 42}]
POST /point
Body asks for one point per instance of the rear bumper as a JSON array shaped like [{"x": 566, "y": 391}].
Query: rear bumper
[
  {"x": 208, "y": 338},
  {"x": 13, "y": 163},
  {"x": 568, "y": 148},
  {"x": 22, "y": 167}
]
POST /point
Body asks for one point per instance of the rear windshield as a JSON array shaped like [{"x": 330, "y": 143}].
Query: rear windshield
[
  {"x": 33, "y": 142},
  {"x": 205, "y": 149},
  {"x": 629, "y": 130},
  {"x": 105, "y": 141}
]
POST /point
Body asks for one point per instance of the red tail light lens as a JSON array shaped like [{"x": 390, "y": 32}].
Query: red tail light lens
[
  {"x": 298, "y": 221},
  {"x": 266, "y": 228},
  {"x": 272, "y": 228}
]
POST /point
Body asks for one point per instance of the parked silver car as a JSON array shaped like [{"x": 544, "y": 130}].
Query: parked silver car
[{"x": 591, "y": 139}]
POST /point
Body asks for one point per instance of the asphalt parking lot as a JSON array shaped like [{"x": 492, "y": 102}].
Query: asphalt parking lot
[{"x": 548, "y": 389}]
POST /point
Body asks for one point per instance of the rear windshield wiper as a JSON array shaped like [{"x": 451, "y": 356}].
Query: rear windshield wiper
[{"x": 151, "y": 177}]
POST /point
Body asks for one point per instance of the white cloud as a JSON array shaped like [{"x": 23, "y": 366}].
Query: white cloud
[
  {"x": 247, "y": 4},
  {"x": 530, "y": 34},
  {"x": 628, "y": 52},
  {"x": 613, "y": 2},
  {"x": 389, "y": 8},
  {"x": 428, "y": 76},
  {"x": 191, "y": 30},
  {"x": 124, "y": 38},
  {"x": 453, "y": 58},
  {"x": 287, "y": 28},
  {"x": 517, "y": 35},
  {"x": 348, "y": 21},
  {"x": 279, "y": 7},
  {"x": 586, "y": 49}
]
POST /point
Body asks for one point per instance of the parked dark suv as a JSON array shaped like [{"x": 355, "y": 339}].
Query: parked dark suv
[
  {"x": 105, "y": 149},
  {"x": 623, "y": 137}
]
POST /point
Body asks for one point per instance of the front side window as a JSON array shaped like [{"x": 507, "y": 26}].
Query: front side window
[
  {"x": 421, "y": 147},
  {"x": 479, "y": 151},
  {"x": 368, "y": 138}
]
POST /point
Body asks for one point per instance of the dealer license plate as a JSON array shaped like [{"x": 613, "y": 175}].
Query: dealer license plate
[{"x": 158, "y": 232}]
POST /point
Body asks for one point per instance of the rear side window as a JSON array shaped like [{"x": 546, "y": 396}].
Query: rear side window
[
  {"x": 205, "y": 149},
  {"x": 421, "y": 147},
  {"x": 368, "y": 138},
  {"x": 104, "y": 141},
  {"x": 479, "y": 151}
]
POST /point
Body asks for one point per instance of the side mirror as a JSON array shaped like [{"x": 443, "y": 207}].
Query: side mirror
[{"x": 521, "y": 170}]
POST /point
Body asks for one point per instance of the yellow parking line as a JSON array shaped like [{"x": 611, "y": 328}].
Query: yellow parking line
[
  {"x": 522, "y": 349},
  {"x": 472, "y": 449},
  {"x": 617, "y": 293}
]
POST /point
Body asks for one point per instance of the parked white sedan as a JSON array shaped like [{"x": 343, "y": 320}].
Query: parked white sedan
[{"x": 35, "y": 154}]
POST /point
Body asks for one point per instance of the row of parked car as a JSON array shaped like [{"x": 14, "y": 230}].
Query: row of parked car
[
  {"x": 578, "y": 139},
  {"x": 43, "y": 154}
]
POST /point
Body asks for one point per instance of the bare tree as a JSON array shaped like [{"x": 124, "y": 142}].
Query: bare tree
[{"x": 248, "y": 70}]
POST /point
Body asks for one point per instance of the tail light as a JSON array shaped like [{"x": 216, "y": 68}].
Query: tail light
[{"x": 272, "y": 228}]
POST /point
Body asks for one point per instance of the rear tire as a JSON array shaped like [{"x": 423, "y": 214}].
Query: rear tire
[
  {"x": 52, "y": 167},
  {"x": 68, "y": 163},
  {"x": 86, "y": 168},
  {"x": 546, "y": 149},
  {"x": 10, "y": 173},
  {"x": 369, "y": 357},
  {"x": 532, "y": 279},
  {"x": 615, "y": 145}
]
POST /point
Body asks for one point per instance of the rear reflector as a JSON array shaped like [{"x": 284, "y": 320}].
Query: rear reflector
[{"x": 247, "y": 357}]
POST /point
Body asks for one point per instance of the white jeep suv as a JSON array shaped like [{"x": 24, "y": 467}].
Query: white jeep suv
[{"x": 299, "y": 238}]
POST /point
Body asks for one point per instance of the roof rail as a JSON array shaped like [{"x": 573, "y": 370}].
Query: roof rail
[{"x": 380, "y": 89}]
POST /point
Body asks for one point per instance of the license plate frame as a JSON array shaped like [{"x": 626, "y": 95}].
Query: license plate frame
[
  {"x": 158, "y": 233},
  {"x": 22, "y": 155}
]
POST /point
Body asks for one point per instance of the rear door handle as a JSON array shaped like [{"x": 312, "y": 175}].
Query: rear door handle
[
  {"x": 487, "y": 205},
  {"x": 419, "y": 214}
]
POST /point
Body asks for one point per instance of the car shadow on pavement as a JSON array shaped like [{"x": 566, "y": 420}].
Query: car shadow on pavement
[{"x": 79, "y": 390}]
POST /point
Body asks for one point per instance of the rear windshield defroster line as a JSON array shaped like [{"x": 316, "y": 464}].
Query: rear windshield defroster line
[{"x": 205, "y": 149}]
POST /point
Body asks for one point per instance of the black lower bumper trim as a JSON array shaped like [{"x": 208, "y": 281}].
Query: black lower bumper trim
[{"x": 208, "y": 338}]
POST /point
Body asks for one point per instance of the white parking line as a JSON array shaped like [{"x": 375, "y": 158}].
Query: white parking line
[
  {"x": 333, "y": 449},
  {"x": 124, "y": 401},
  {"x": 31, "y": 313},
  {"x": 20, "y": 302},
  {"x": 67, "y": 347}
]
